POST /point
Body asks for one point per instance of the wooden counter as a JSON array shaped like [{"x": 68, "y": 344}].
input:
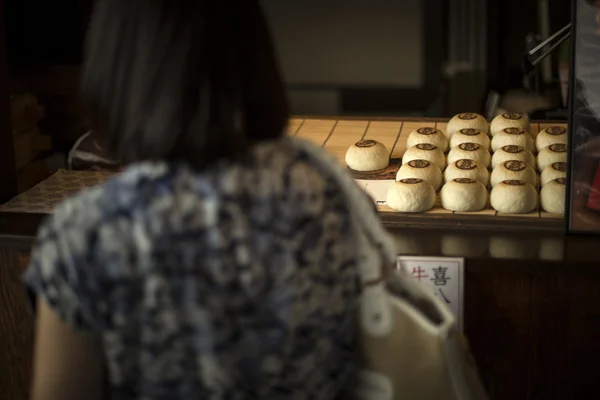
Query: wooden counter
[
  {"x": 532, "y": 318},
  {"x": 531, "y": 294}
]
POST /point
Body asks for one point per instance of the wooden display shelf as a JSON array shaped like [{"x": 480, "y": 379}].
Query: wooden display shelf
[{"x": 336, "y": 135}]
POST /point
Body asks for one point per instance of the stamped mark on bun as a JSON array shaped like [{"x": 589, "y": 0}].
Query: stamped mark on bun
[
  {"x": 514, "y": 131},
  {"x": 556, "y": 130},
  {"x": 366, "y": 143},
  {"x": 558, "y": 147},
  {"x": 411, "y": 181},
  {"x": 419, "y": 163},
  {"x": 467, "y": 116},
  {"x": 561, "y": 181},
  {"x": 560, "y": 166},
  {"x": 466, "y": 164},
  {"x": 511, "y": 148},
  {"x": 514, "y": 165},
  {"x": 513, "y": 182},
  {"x": 470, "y": 132},
  {"x": 513, "y": 116},
  {"x": 426, "y": 146},
  {"x": 469, "y": 146},
  {"x": 427, "y": 131},
  {"x": 465, "y": 181}
]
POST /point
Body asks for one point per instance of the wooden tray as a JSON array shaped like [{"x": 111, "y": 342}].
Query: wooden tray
[{"x": 337, "y": 135}]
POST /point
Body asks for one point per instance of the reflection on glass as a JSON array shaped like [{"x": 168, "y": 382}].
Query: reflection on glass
[{"x": 585, "y": 123}]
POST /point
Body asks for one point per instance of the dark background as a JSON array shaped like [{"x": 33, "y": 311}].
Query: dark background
[{"x": 51, "y": 33}]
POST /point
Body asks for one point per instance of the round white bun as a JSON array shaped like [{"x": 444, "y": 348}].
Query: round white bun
[
  {"x": 552, "y": 154},
  {"x": 509, "y": 120},
  {"x": 411, "y": 195},
  {"x": 421, "y": 169},
  {"x": 470, "y": 151},
  {"x": 367, "y": 155},
  {"x": 514, "y": 197},
  {"x": 553, "y": 195},
  {"x": 463, "y": 195},
  {"x": 425, "y": 151},
  {"x": 512, "y": 137},
  {"x": 551, "y": 135},
  {"x": 513, "y": 171},
  {"x": 469, "y": 135},
  {"x": 509, "y": 153},
  {"x": 469, "y": 169},
  {"x": 553, "y": 171},
  {"x": 428, "y": 135},
  {"x": 467, "y": 121}
]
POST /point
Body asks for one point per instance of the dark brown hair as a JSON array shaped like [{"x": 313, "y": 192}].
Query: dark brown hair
[{"x": 182, "y": 80}]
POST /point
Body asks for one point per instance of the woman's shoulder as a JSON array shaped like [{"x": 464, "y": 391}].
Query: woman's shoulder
[{"x": 115, "y": 196}]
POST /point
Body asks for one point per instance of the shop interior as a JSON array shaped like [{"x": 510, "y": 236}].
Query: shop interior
[
  {"x": 412, "y": 58},
  {"x": 356, "y": 71}
]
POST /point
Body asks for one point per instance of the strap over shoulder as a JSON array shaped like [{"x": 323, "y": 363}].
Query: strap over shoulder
[{"x": 376, "y": 245}]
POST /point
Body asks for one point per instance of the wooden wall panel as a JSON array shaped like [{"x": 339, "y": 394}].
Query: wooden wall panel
[{"x": 16, "y": 327}]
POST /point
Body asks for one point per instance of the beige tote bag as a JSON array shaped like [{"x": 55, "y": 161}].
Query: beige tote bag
[{"x": 410, "y": 347}]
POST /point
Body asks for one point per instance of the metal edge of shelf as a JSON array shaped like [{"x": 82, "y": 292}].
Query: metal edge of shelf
[
  {"x": 472, "y": 223},
  {"x": 16, "y": 241}
]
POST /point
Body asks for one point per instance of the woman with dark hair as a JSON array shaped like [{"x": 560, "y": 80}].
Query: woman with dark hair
[{"x": 222, "y": 263}]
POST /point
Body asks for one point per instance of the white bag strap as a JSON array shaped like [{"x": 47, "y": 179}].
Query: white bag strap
[
  {"x": 375, "y": 247},
  {"x": 377, "y": 239}
]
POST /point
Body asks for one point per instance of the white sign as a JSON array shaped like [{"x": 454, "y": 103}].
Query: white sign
[{"x": 443, "y": 275}]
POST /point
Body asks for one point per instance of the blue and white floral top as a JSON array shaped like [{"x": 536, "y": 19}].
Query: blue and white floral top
[{"x": 236, "y": 282}]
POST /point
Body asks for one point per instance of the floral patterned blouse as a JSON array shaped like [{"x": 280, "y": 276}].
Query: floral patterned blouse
[{"x": 236, "y": 282}]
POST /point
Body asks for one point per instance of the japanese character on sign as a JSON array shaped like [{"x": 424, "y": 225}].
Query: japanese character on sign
[
  {"x": 443, "y": 277},
  {"x": 442, "y": 295},
  {"x": 439, "y": 276},
  {"x": 419, "y": 273}
]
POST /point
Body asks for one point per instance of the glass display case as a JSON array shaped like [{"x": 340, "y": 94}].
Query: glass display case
[{"x": 584, "y": 197}]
